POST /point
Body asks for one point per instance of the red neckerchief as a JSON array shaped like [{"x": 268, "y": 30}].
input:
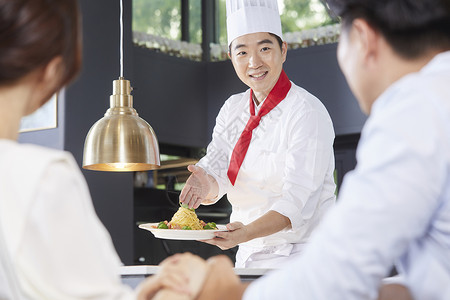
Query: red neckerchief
[{"x": 276, "y": 95}]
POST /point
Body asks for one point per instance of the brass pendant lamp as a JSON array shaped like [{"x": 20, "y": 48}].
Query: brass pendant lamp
[{"x": 121, "y": 141}]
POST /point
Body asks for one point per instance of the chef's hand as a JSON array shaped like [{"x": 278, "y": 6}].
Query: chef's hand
[
  {"x": 199, "y": 187},
  {"x": 180, "y": 277},
  {"x": 237, "y": 233},
  {"x": 221, "y": 283}
]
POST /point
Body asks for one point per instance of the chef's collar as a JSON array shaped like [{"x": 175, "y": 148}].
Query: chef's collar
[{"x": 257, "y": 106}]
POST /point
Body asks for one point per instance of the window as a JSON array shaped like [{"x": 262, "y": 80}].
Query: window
[
  {"x": 164, "y": 17},
  {"x": 296, "y": 15},
  {"x": 162, "y": 24},
  {"x": 221, "y": 22},
  {"x": 195, "y": 21}
]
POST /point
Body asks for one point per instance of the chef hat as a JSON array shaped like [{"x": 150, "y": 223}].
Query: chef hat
[{"x": 250, "y": 16}]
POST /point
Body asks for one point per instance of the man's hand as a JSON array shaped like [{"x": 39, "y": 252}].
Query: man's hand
[
  {"x": 228, "y": 239},
  {"x": 180, "y": 277},
  {"x": 198, "y": 187},
  {"x": 394, "y": 291},
  {"x": 221, "y": 282}
]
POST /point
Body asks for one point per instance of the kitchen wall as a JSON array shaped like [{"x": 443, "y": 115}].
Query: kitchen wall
[
  {"x": 188, "y": 95},
  {"x": 316, "y": 69},
  {"x": 170, "y": 93},
  {"x": 179, "y": 98}
]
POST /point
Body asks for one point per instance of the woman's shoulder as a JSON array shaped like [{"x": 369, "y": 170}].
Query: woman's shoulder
[
  {"x": 28, "y": 169},
  {"x": 35, "y": 154},
  {"x": 32, "y": 159}
]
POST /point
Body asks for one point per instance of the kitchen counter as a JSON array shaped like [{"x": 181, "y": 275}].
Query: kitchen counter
[{"x": 133, "y": 275}]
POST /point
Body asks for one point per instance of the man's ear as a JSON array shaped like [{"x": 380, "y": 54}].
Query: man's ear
[
  {"x": 284, "y": 50},
  {"x": 368, "y": 39}
]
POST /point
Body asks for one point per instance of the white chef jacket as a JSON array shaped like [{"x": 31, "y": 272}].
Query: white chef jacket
[
  {"x": 58, "y": 247},
  {"x": 288, "y": 168},
  {"x": 394, "y": 207}
]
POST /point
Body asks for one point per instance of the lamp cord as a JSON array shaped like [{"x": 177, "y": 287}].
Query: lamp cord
[{"x": 121, "y": 38}]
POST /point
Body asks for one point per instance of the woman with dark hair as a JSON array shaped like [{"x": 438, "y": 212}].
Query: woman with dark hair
[
  {"x": 394, "y": 208},
  {"x": 52, "y": 244}
]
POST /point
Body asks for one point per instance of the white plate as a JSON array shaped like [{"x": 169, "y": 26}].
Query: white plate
[{"x": 179, "y": 234}]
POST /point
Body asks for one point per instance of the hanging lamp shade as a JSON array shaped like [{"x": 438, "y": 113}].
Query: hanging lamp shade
[{"x": 121, "y": 141}]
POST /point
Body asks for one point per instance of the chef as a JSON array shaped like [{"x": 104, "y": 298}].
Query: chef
[{"x": 271, "y": 150}]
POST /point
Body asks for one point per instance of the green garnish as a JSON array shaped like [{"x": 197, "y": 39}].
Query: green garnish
[
  {"x": 186, "y": 228},
  {"x": 162, "y": 225},
  {"x": 186, "y": 206},
  {"x": 210, "y": 225}
]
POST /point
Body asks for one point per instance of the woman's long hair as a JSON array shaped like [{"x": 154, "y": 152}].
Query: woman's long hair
[{"x": 33, "y": 32}]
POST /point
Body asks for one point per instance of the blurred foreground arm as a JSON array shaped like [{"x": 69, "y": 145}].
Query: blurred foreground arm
[
  {"x": 181, "y": 277},
  {"x": 394, "y": 291},
  {"x": 221, "y": 282}
]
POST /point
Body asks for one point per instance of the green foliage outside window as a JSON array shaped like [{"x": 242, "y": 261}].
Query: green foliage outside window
[
  {"x": 297, "y": 15},
  {"x": 163, "y": 17},
  {"x": 195, "y": 21},
  {"x": 158, "y": 17},
  {"x": 221, "y": 21}
]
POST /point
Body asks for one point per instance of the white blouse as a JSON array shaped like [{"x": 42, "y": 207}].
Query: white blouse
[{"x": 58, "y": 247}]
